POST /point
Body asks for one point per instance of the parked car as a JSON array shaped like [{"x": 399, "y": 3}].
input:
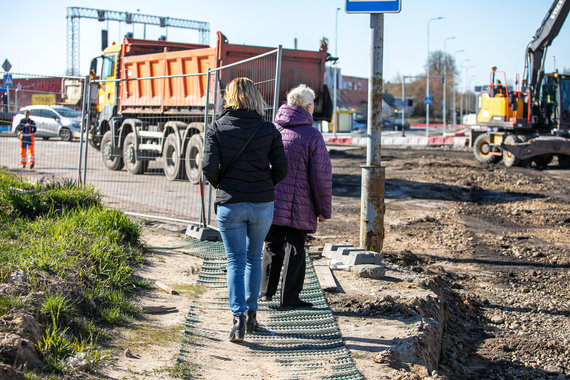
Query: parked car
[
  {"x": 387, "y": 124},
  {"x": 401, "y": 124},
  {"x": 360, "y": 124},
  {"x": 52, "y": 121}
]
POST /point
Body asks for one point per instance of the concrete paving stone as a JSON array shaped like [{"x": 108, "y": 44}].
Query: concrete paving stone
[
  {"x": 330, "y": 248},
  {"x": 364, "y": 257},
  {"x": 342, "y": 253}
]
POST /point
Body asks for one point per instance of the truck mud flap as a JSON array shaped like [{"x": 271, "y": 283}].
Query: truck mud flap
[{"x": 539, "y": 146}]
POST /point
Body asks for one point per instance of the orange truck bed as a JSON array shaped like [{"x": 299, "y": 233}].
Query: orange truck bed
[{"x": 182, "y": 94}]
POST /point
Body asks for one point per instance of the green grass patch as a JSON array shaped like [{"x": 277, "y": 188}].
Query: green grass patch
[
  {"x": 182, "y": 371},
  {"x": 12, "y": 302},
  {"x": 69, "y": 259},
  {"x": 191, "y": 290},
  {"x": 146, "y": 334}
]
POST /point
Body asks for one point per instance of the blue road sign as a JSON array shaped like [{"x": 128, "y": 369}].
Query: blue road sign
[
  {"x": 7, "y": 80},
  {"x": 2, "y": 88},
  {"x": 427, "y": 100},
  {"x": 364, "y": 6}
]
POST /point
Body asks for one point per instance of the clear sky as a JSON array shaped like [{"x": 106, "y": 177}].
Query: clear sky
[{"x": 491, "y": 32}]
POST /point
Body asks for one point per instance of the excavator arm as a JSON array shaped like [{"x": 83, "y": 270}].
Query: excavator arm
[{"x": 536, "y": 50}]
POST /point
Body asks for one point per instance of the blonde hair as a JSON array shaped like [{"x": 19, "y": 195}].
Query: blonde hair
[
  {"x": 301, "y": 96},
  {"x": 241, "y": 93}
]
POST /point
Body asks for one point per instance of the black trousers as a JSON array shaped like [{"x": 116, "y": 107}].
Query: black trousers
[{"x": 284, "y": 247}]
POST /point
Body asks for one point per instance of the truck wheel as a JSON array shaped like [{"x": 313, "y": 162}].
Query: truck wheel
[
  {"x": 172, "y": 160},
  {"x": 65, "y": 134},
  {"x": 112, "y": 157},
  {"x": 94, "y": 140},
  {"x": 133, "y": 166},
  {"x": 510, "y": 159},
  {"x": 482, "y": 150},
  {"x": 193, "y": 160}
]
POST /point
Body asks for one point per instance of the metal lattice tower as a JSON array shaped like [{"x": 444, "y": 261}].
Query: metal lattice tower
[{"x": 75, "y": 13}]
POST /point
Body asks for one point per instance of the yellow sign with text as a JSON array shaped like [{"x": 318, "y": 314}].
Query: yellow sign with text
[{"x": 43, "y": 99}]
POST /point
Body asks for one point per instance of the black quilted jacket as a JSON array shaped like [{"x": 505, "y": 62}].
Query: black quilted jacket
[{"x": 263, "y": 163}]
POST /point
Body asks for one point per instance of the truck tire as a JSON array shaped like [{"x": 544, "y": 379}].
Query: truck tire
[
  {"x": 65, "y": 134},
  {"x": 133, "y": 166},
  {"x": 112, "y": 157},
  {"x": 193, "y": 160},
  {"x": 510, "y": 159},
  {"x": 94, "y": 140},
  {"x": 482, "y": 150},
  {"x": 172, "y": 159}
]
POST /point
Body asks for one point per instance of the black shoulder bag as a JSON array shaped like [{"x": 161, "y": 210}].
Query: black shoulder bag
[{"x": 224, "y": 170}]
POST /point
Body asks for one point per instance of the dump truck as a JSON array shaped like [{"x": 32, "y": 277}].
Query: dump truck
[
  {"x": 141, "y": 120},
  {"x": 529, "y": 123}
]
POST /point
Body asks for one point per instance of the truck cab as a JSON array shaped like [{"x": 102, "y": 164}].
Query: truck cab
[{"x": 107, "y": 94}]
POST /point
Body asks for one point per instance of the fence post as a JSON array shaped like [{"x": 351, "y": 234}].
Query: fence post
[
  {"x": 87, "y": 105},
  {"x": 214, "y": 108},
  {"x": 84, "y": 119},
  {"x": 203, "y": 232},
  {"x": 277, "y": 82},
  {"x": 201, "y": 184}
]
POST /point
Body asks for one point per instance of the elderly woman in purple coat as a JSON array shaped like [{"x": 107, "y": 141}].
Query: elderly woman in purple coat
[{"x": 302, "y": 198}]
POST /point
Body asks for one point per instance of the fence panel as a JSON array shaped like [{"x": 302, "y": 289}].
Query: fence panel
[
  {"x": 57, "y": 114},
  {"x": 148, "y": 157}
]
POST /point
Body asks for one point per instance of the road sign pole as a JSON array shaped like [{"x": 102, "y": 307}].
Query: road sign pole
[
  {"x": 372, "y": 193},
  {"x": 7, "y": 82}
]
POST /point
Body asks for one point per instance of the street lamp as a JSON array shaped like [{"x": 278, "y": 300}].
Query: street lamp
[
  {"x": 467, "y": 86},
  {"x": 454, "y": 91},
  {"x": 427, "y": 76},
  {"x": 463, "y": 96},
  {"x": 444, "y": 82},
  {"x": 335, "y": 121},
  {"x": 471, "y": 81}
]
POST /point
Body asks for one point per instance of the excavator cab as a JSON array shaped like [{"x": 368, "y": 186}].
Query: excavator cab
[
  {"x": 495, "y": 108},
  {"x": 554, "y": 112},
  {"x": 501, "y": 107},
  {"x": 564, "y": 93}
]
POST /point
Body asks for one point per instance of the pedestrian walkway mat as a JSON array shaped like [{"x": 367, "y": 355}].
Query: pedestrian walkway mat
[{"x": 293, "y": 344}]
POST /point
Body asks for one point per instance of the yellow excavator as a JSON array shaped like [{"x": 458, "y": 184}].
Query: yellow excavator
[{"x": 530, "y": 123}]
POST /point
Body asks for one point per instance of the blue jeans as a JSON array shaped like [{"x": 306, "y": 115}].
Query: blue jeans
[{"x": 243, "y": 227}]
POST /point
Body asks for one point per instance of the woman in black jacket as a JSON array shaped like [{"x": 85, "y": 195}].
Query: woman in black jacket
[{"x": 245, "y": 192}]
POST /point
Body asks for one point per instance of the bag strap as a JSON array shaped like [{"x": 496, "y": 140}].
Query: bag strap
[{"x": 224, "y": 170}]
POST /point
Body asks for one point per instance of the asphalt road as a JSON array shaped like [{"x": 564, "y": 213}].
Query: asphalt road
[{"x": 148, "y": 194}]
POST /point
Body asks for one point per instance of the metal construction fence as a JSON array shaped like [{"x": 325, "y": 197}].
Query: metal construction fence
[
  {"x": 56, "y": 110},
  {"x": 147, "y": 161},
  {"x": 34, "y": 89}
]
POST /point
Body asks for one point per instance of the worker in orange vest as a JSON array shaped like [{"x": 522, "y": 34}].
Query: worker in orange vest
[{"x": 26, "y": 128}]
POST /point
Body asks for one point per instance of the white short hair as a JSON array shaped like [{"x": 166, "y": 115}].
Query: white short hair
[{"x": 301, "y": 96}]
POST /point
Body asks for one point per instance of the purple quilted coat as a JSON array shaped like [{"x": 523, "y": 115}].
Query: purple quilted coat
[{"x": 306, "y": 192}]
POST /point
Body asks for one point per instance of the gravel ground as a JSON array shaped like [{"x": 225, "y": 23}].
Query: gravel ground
[{"x": 498, "y": 238}]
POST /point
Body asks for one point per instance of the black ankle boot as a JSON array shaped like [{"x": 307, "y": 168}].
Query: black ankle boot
[
  {"x": 251, "y": 321},
  {"x": 238, "y": 331}
]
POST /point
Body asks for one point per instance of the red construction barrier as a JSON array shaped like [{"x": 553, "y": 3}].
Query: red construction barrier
[
  {"x": 440, "y": 140},
  {"x": 340, "y": 140}
]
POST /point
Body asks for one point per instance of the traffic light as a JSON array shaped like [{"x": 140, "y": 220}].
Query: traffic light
[{"x": 104, "y": 39}]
